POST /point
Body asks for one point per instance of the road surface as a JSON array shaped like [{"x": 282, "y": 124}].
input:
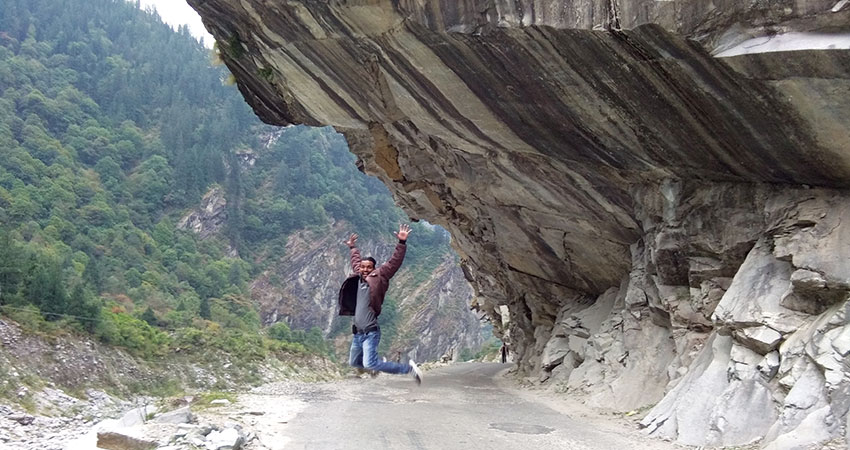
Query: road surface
[{"x": 461, "y": 406}]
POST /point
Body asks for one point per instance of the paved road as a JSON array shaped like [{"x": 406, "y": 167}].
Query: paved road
[{"x": 457, "y": 407}]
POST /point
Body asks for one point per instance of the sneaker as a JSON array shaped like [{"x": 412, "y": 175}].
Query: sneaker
[{"x": 417, "y": 374}]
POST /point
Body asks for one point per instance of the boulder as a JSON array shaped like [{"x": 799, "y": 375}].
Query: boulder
[
  {"x": 123, "y": 440},
  {"x": 133, "y": 417},
  {"x": 226, "y": 439},
  {"x": 178, "y": 416},
  {"x": 556, "y": 349},
  {"x": 810, "y": 293},
  {"x": 23, "y": 419}
]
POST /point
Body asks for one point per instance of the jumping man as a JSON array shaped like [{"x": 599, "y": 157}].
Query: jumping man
[{"x": 361, "y": 296}]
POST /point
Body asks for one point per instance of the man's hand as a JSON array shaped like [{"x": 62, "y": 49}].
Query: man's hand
[
  {"x": 352, "y": 241},
  {"x": 403, "y": 231}
]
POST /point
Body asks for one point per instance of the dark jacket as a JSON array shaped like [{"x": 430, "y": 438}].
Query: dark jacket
[{"x": 379, "y": 281}]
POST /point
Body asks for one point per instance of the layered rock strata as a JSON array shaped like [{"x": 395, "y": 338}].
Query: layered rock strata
[{"x": 663, "y": 226}]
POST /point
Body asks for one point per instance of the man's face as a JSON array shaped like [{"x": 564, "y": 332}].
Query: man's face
[{"x": 366, "y": 267}]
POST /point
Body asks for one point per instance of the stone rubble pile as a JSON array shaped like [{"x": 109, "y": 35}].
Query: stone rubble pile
[
  {"x": 147, "y": 428},
  {"x": 61, "y": 417},
  {"x": 140, "y": 428}
]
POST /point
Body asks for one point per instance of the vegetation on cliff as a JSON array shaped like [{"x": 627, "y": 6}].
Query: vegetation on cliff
[{"x": 113, "y": 125}]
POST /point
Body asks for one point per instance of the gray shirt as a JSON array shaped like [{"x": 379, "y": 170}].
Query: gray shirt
[{"x": 364, "y": 317}]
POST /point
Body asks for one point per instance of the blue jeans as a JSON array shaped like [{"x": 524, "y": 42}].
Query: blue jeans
[{"x": 364, "y": 354}]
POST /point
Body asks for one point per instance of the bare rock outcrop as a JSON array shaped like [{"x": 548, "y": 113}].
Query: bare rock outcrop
[
  {"x": 210, "y": 217},
  {"x": 665, "y": 227}
]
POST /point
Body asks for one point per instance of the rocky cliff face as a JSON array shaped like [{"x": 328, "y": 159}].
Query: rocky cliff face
[
  {"x": 432, "y": 316},
  {"x": 436, "y": 320},
  {"x": 210, "y": 217},
  {"x": 664, "y": 226}
]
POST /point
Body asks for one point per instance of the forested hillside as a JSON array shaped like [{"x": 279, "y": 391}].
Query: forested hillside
[{"x": 112, "y": 127}]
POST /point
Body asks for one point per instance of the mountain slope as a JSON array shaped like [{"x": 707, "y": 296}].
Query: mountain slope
[{"x": 113, "y": 126}]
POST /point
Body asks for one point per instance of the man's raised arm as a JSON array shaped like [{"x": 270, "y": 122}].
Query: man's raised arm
[
  {"x": 391, "y": 267},
  {"x": 355, "y": 253}
]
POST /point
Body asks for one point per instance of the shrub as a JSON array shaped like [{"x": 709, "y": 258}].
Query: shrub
[{"x": 123, "y": 330}]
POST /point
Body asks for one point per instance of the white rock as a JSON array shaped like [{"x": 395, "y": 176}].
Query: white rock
[
  {"x": 841, "y": 343},
  {"x": 227, "y": 439},
  {"x": 178, "y": 416},
  {"x": 220, "y": 401},
  {"x": 704, "y": 408},
  {"x": 743, "y": 355},
  {"x": 769, "y": 366},
  {"x": 185, "y": 428},
  {"x": 806, "y": 417},
  {"x": 811, "y": 431},
  {"x": 554, "y": 352},
  {"x": 136, "y": 416},
  {"x": 761, "y": 339},
  {"x": 756, "y": 291}
]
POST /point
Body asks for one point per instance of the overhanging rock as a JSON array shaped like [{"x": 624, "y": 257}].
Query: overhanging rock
[{"x": 572, "y": 147}]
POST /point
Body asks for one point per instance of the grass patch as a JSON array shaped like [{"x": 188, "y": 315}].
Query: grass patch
[
  {"x": 162, "y": 387},
  {"x": 205, "y": 400},
  {"x": 28, "y": 403}
]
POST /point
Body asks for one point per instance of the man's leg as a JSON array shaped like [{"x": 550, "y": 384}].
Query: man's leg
[
  {"x": 355, "y": 355},
  {"x": 371, "y": 360}
]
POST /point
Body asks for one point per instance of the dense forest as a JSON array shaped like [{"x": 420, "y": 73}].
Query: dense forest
[{"x": 113, "y": 126}]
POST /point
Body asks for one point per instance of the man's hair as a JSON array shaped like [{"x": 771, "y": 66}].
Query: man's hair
[{"x": 369, "y": 258}]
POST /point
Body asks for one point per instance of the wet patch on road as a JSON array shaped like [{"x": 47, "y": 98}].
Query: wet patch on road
[{"x": 521, "y": 428}]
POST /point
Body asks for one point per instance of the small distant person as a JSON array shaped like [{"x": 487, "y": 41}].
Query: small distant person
[
  {"x": 504, "y": 353},
  {"x": 362, "y": 296}
]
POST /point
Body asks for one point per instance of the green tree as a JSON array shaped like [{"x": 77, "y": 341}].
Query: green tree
[
  {"x": 151, "y": 183},
  {"x": 11, "y": 275},
  {"x": 45, "y": 289},
  {"x": 280, "y": 331},
  {"x": 149, "y": 317},
  {"x": 204, "y": 309},
  {"x": 84, "y": 307}
]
